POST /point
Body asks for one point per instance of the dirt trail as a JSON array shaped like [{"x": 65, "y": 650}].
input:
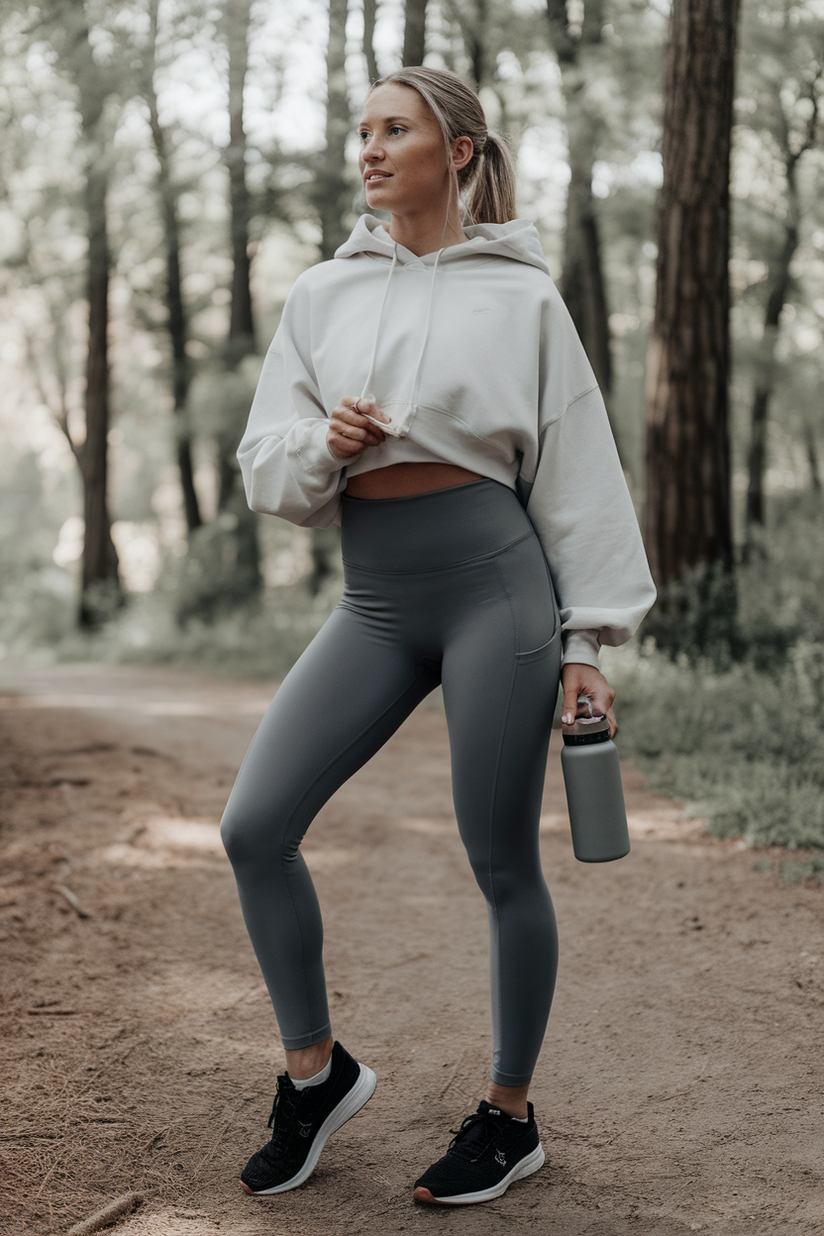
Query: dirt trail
[{"x": 679, "y": 1089}]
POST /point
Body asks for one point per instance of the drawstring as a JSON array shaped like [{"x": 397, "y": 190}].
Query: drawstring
[
  {"x": 415, "y": 380},
  {"x": 370, "y": 375},
  {"x": 414, "y": 392}
]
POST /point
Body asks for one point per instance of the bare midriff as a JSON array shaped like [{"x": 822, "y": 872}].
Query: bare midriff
[{"x": 403, "y": 480}]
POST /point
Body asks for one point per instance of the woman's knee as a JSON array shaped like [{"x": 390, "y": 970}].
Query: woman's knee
[
  {"x": 248, "y": 838},
  {"x": 503, "y": 882}
]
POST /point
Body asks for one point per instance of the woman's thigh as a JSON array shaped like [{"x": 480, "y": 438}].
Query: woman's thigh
[
  {"x": 500, "y": 681},
  {"x": 341, "y": 701}
]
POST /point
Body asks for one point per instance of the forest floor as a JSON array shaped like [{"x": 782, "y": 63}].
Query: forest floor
[{"x": 679, "y": 1088}]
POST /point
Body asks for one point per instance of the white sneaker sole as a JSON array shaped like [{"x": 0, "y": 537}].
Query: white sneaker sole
[
  {"x": 525, "y": 1167},
  {"x": 350, "y": 1104}
]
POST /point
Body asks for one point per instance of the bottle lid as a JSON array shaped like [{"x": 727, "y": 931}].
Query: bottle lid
[{"x": 585, "y": 731}]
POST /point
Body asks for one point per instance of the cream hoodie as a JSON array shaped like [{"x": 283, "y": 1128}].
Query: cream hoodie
[{"x": 473, "y": 356}]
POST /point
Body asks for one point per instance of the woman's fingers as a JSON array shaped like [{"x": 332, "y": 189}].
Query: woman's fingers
[
  {"x": 350, "y": 433},
  {"x": 579, "y": 679}
]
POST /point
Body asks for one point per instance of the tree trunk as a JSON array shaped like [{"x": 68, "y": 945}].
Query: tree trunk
[
  {"x": 370, "y": 15},
  {"x": 238, "y": 522},
  {"x": 100, "y": 584},
  {"x": 582, "y": 285},
  {"x": 811, "y": 448},
  {"x": 765, "y": 385},
  {"x": 688, "y": 517},
  {"x": 333, "y": 191},
  {"x": 414, "y": 33},
  {"x": 176, "y": 320},
  {"x": 476, "y": 40},
  {"x": 333, "y": 198},
  {"x": 779, "y": 287},
  {"x": 241, "y": 339}
]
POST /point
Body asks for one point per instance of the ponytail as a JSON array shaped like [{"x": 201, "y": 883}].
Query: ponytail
[
  {"x": 490, "y": 173},
  {"x": 493, "y": 184}
]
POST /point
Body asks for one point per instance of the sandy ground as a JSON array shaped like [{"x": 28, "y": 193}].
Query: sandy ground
[{"x": 680, "y": 1085}]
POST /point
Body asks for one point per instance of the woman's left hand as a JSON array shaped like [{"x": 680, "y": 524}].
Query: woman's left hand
[{"x": 579, "y": 679}]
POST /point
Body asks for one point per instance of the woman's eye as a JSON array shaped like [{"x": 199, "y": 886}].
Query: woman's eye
[
  {"x": 364, "y": 137},
  {"x": 396, "y": 128}
]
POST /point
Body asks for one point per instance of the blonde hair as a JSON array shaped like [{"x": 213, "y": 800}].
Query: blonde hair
[{"x": 490, "y": 173}]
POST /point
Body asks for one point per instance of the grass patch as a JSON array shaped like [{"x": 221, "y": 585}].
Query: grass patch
[{"x": 743, "y": 746}]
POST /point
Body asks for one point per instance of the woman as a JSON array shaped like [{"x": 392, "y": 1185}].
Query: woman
[{"x": 475, "y": 479}]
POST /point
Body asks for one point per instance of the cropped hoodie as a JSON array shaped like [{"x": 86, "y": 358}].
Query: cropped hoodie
[{"x": 473, "y": 356}]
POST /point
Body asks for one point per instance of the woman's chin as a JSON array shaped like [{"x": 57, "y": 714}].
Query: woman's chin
[{"x": 378, "y": 200}]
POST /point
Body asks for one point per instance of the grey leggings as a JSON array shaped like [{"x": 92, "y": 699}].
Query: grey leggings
[{"x": 448, "y": 587}]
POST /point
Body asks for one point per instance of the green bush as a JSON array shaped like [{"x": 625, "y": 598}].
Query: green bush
[{"x": 743, "y": 746}]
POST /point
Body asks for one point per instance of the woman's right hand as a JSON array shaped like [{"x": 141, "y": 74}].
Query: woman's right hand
[{"x": 350, "y": 432}]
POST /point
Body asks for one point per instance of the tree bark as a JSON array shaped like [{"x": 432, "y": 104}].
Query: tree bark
[
  {"x": 476, "y": 42},
  {"x": 333, "y": 191},
  {"x": 765, "y": 385},
  {"x": 241, "y": 338},
  {"x": 333, "y": 198},
  {"x": 100, "y": 583},
  {"x": 177, "y": 323},
  {"x": 688, "y": 516},
  {"x": 414, "y": 33},
  {"x": 582, "y": 285},
  {"x": 779, "y": 288},
  {"x": 811, "y": 448},
  {"x": 238, "y": 522},
  {"x": 370, "y": 15}
]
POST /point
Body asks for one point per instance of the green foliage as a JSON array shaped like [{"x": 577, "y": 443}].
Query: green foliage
[
  {"x": 218, "y": 574},
  {"x": 737, "y": 730},
  {"x": 743, "y": 747}
]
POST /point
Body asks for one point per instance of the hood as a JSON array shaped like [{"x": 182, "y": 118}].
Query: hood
[{"x": 517, "y": 240}]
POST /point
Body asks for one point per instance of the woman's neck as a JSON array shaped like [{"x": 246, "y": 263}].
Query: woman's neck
[{"x": 422, "y": 234}]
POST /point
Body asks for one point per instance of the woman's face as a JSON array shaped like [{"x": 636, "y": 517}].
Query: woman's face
[{"x": 403, "y": 160}]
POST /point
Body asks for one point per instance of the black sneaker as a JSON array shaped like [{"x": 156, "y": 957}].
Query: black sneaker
[
  {"x": 488, "y": 1152},
  {"x": 303, "y": 1120}
]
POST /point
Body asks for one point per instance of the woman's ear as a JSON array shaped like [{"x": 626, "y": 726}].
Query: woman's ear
[{"x": 462, "y": 151}]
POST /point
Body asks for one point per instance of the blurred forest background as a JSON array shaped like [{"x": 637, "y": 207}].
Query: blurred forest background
[{"x": 168, "y": 167}]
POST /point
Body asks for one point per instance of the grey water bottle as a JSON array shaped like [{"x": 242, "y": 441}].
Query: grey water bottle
[{"x": 595, "y": 795}]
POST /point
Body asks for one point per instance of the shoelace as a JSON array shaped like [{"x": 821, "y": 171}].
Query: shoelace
[
  {"x": 477, "y": 1132},
  {"x": 282, "y": 1119}
]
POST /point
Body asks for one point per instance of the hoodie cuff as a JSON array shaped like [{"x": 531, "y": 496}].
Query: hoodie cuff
[
  {"x": 580, "y": 648},
  {"x": 313, "y": 447}
]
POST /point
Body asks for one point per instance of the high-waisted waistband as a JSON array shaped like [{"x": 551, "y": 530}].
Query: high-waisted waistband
[{"x": 428, "y": 532}]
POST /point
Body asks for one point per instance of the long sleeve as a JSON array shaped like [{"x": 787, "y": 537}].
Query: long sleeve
[
  {"x": 287, "y": 467},
  {"x": 581, "y": 509}
]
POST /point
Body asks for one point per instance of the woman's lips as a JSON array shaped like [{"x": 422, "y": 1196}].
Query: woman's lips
[{"x": 376, "y": 178}]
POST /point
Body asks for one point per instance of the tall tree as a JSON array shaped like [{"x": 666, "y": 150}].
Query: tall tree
[
  {"x": 688, "y": 516},
  {"x": 175, "y": 308},
  {"x": 790, "y": 70},
  {"x": 95, "y": 84},
  {"x": 237, "y": 544},
  {"x": 332, "y": 194},
  {"x": 370, "y": 17},
  {"x": 414, "y": 32},
  {"x": 241, "y": 337},
  {"x": 333, "y": 190},
  {"x": 578, "y": 48}
]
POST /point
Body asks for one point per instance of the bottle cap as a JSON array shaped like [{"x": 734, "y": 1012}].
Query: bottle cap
[{"x": 585, "y": 731}]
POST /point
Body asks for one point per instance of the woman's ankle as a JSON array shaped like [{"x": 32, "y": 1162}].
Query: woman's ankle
[
  {"x": 305, "y": 1062},
  {"x": 511, "y": 1100}
]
